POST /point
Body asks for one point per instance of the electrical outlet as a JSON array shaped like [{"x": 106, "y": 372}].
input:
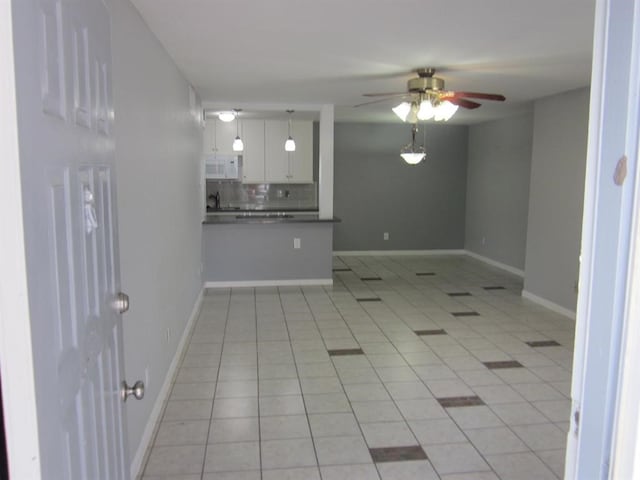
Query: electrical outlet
[
  {"x": 385, "y": 236},
  {"x": 296, "y": 243},
  {"x": 168, "y": 335}
]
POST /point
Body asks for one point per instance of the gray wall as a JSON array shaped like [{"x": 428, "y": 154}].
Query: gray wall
[
  {"x": 556, "y": 196},
  {"x": 498, "y": 174},
  {"x": 159, "y": 204},
  {"x": 375, "y": 191},
  {"x": 246, "y": 253}
]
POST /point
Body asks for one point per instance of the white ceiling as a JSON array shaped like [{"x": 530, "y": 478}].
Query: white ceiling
[{"x": 296, "y": 53}]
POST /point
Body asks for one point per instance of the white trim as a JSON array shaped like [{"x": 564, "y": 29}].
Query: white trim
[
  {"x": 495, "y": 263},
  {"x": 271, "y": 283},
  {"x": 18, "y": 385},
  {"x": 625, "y": 450},
  {"x": 147, "y": 436},
  {"x": 383, "y": 253},
  {"x": 325, "y": 167},
  {"x": 549, "y": 304}
]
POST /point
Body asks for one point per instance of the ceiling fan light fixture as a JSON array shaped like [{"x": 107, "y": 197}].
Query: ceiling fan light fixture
[
  {"x": 226, "y": 116},
  {"x": 411, "y": 153},
  {"x": 426, "y": 110},
  {"x": 444, "y": 111},
  {"x": 402, "y": 110},
  {"x": 413, "y": 158}
]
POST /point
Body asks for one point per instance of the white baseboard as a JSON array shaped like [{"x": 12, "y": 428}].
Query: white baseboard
[
  {"x": 271, "y": 283},
  {"x": 549, "y": 304},
  {"x": 147, "y": 436},
  {"x": 494, "y": 263},
  {"x": 382, "y": 253}
]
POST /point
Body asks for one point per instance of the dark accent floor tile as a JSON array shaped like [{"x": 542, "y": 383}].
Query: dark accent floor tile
[
  {"x": 449, "y": 402},
  {"x": 369, "y": 279},
  {"x": 425, "y": 274},
  {"x": 341, "y": 269},
  {"x": 397, "y": 454},
  {"x": 368, "y": 299},
  {"x": 497, "y": 287},
  {"x": 465, "y": 314},
  {"x": 459, "y": 294},
  {"x": 503, "y": 364},
  {"x": 345, "y": 351},
  {"x": 543, "y": 343},
  {"x": 430, "y": 332}
]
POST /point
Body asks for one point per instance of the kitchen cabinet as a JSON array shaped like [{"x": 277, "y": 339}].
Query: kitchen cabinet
[
  {"x": 253, "y": 159},
  {"x": 219, "y": 136},
  {"x": 288, "y": 167}
]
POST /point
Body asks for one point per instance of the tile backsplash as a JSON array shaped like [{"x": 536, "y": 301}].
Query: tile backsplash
[{"x": 263, "y": 196}]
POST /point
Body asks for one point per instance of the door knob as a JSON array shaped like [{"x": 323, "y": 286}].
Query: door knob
[
  {"x": 137, "y": 390},
  {"x": 121, "y": 302}
]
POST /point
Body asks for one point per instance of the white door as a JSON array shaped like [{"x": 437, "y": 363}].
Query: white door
[{"x": 65, "y": 123}]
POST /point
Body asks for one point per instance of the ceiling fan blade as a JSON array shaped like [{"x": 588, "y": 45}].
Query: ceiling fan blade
[
  {"x": 461, "y": 102},
  {"x": 377, "y": 101},
  {"x": 482, "y": 96},
  {"x": 392, "y": 94}
]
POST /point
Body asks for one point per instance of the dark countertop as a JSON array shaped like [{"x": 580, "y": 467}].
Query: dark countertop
[
  {"x": 259, "y": 219},
  {"x": 226, "y": 210}
]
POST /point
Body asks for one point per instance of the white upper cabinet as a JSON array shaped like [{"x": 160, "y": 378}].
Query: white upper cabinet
[
  {"x": 219, "y": 136},
  {"x": 301, "y": 161},
  {"x": 253, "y": 155},
  {"x": 276, "y": 169},
  {"x": 288, "y": 167}
]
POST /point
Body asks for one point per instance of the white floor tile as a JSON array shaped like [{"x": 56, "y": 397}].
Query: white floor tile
[{"x": 281, "y": 398}]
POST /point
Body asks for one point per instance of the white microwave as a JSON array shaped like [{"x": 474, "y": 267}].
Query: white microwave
[{"x": 221, "y": 167}]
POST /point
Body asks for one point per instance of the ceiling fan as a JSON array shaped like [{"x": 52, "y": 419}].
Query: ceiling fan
[{"x": 429, "y": 99}]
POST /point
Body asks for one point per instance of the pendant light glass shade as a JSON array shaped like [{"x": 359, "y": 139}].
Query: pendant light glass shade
[
  {"x": 413, "y": 158},
  {"x": 238, "y": 145},
  {"x": 411, "y": 153},
  {"x": 290, "y": 143}
]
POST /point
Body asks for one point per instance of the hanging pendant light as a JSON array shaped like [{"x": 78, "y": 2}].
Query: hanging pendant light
[
  {"x": 237, "y": 146},
  {"x": 290, "y": 144},
  {"x": 411, "y": 153}
]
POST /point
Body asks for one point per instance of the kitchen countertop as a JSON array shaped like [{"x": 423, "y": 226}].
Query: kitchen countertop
[{"x": 263, "y": 217}]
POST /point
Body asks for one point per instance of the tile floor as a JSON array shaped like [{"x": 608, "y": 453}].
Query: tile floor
[{"x": 411, "y": 367}]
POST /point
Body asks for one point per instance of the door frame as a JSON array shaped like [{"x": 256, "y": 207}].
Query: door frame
[
  {"x": 16, "y": 365},
  {"x": 602, "y": 439}
]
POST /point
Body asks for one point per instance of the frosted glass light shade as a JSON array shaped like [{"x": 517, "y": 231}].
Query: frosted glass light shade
[
  {"x": 444, "y": 111},
  {"x": 426, "y": 110},
  {"x": 413, "y": 158},
  {"x": 237, "y": 146},
  {"x": 226, "y": 116},
  {"x": 290, "y": 145},
  {"x": 402, "y": 110}
]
